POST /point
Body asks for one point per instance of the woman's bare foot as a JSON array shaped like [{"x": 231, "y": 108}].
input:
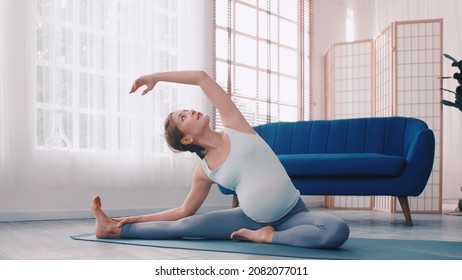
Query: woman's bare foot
[
  {"x": 263, "y": 235},
  {"x": 105, "y": 227}
]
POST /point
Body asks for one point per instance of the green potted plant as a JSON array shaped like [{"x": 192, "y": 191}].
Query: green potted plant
[{"x": 457, "y": 104}]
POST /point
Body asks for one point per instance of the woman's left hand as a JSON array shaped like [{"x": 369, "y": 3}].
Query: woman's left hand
[
  {"x": 123, "y": 221},
  {"x": 147, "y": 80}
]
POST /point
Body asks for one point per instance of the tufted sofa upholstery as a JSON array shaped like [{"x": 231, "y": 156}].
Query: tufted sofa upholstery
[{"x": 390, "y": 156}]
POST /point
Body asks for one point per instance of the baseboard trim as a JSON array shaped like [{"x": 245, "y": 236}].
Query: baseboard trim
[
  {"x": 17, "y": 216},
  {"x": 70, "y": 214}
]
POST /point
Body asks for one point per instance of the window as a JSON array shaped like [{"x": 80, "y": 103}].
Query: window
[
  {"x": 86, "y": 54},
  {"x": 262, "y": 57}
]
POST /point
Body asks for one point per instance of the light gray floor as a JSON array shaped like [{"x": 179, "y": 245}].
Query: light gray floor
[{"x": 49, "y": 240}]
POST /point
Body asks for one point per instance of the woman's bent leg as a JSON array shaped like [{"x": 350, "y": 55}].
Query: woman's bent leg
[
  {"x": 313, "y": 230},
  {"x": 211, "y": 225}
]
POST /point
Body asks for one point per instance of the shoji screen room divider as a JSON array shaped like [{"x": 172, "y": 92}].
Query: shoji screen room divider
[{"x": 395, "y": 74}]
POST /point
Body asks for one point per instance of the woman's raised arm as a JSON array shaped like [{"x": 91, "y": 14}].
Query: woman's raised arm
[{"x": 230, "y": 114}]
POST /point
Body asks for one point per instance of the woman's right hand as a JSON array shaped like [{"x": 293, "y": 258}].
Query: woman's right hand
[
  {"x": 146, "y": 80},
  {"x": 123, "y": 221}
]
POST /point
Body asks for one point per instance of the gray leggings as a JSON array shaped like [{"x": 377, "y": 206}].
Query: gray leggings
[{"x": 298, "y": 228}]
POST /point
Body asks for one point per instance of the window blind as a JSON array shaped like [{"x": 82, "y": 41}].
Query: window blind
[{"x": 262, "y": 51}]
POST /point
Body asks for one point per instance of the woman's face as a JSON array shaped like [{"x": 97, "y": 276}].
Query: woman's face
[{"x": 190, "y": 122}]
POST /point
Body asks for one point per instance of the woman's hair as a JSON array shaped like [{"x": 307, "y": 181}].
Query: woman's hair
[{"x": 173, "y": 136}]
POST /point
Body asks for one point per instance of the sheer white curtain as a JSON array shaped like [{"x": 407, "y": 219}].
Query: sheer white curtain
[
  {"x": 69, "y": 128},
  {"x": 3, "y": 15}
]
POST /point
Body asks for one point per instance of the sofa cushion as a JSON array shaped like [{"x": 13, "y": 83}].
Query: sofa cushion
[{"x": 342, "y": 165}]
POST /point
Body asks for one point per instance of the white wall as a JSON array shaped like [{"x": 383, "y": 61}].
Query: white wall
[{"x": 329, "y": 28}]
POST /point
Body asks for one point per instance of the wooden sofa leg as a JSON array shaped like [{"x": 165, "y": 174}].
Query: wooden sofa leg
[
  {"x": 235, "y": 202},
  {"x": 406, "y": 211}
]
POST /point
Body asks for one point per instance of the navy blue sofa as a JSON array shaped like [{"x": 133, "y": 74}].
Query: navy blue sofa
[{"x": 390, "y": 156}]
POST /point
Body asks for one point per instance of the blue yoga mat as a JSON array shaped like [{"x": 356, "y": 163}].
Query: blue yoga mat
[{"x": 353, "y": 249}]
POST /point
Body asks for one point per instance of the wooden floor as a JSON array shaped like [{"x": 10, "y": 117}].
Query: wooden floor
[{"x": 50, "y": 240}]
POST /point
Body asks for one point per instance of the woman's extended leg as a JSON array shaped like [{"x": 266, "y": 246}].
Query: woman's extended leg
[
  {"x": 313, "y": 230},
  {"x": 211, "y": 225},
  {"x": 303, "y": 229}
]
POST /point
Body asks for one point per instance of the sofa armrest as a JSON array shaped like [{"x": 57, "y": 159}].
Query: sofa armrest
[
  {"x": 420, "y": 157},
  {"x": 422, "y": 146}
]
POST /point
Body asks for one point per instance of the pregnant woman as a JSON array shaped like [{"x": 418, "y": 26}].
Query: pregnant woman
[{"x": 270, "y": 210}]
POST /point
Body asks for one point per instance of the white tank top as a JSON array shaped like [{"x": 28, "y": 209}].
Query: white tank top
[{"x": 254, "y": 172}]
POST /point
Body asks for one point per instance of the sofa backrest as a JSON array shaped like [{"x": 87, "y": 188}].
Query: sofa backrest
[{"x": 389, "y": 135}]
